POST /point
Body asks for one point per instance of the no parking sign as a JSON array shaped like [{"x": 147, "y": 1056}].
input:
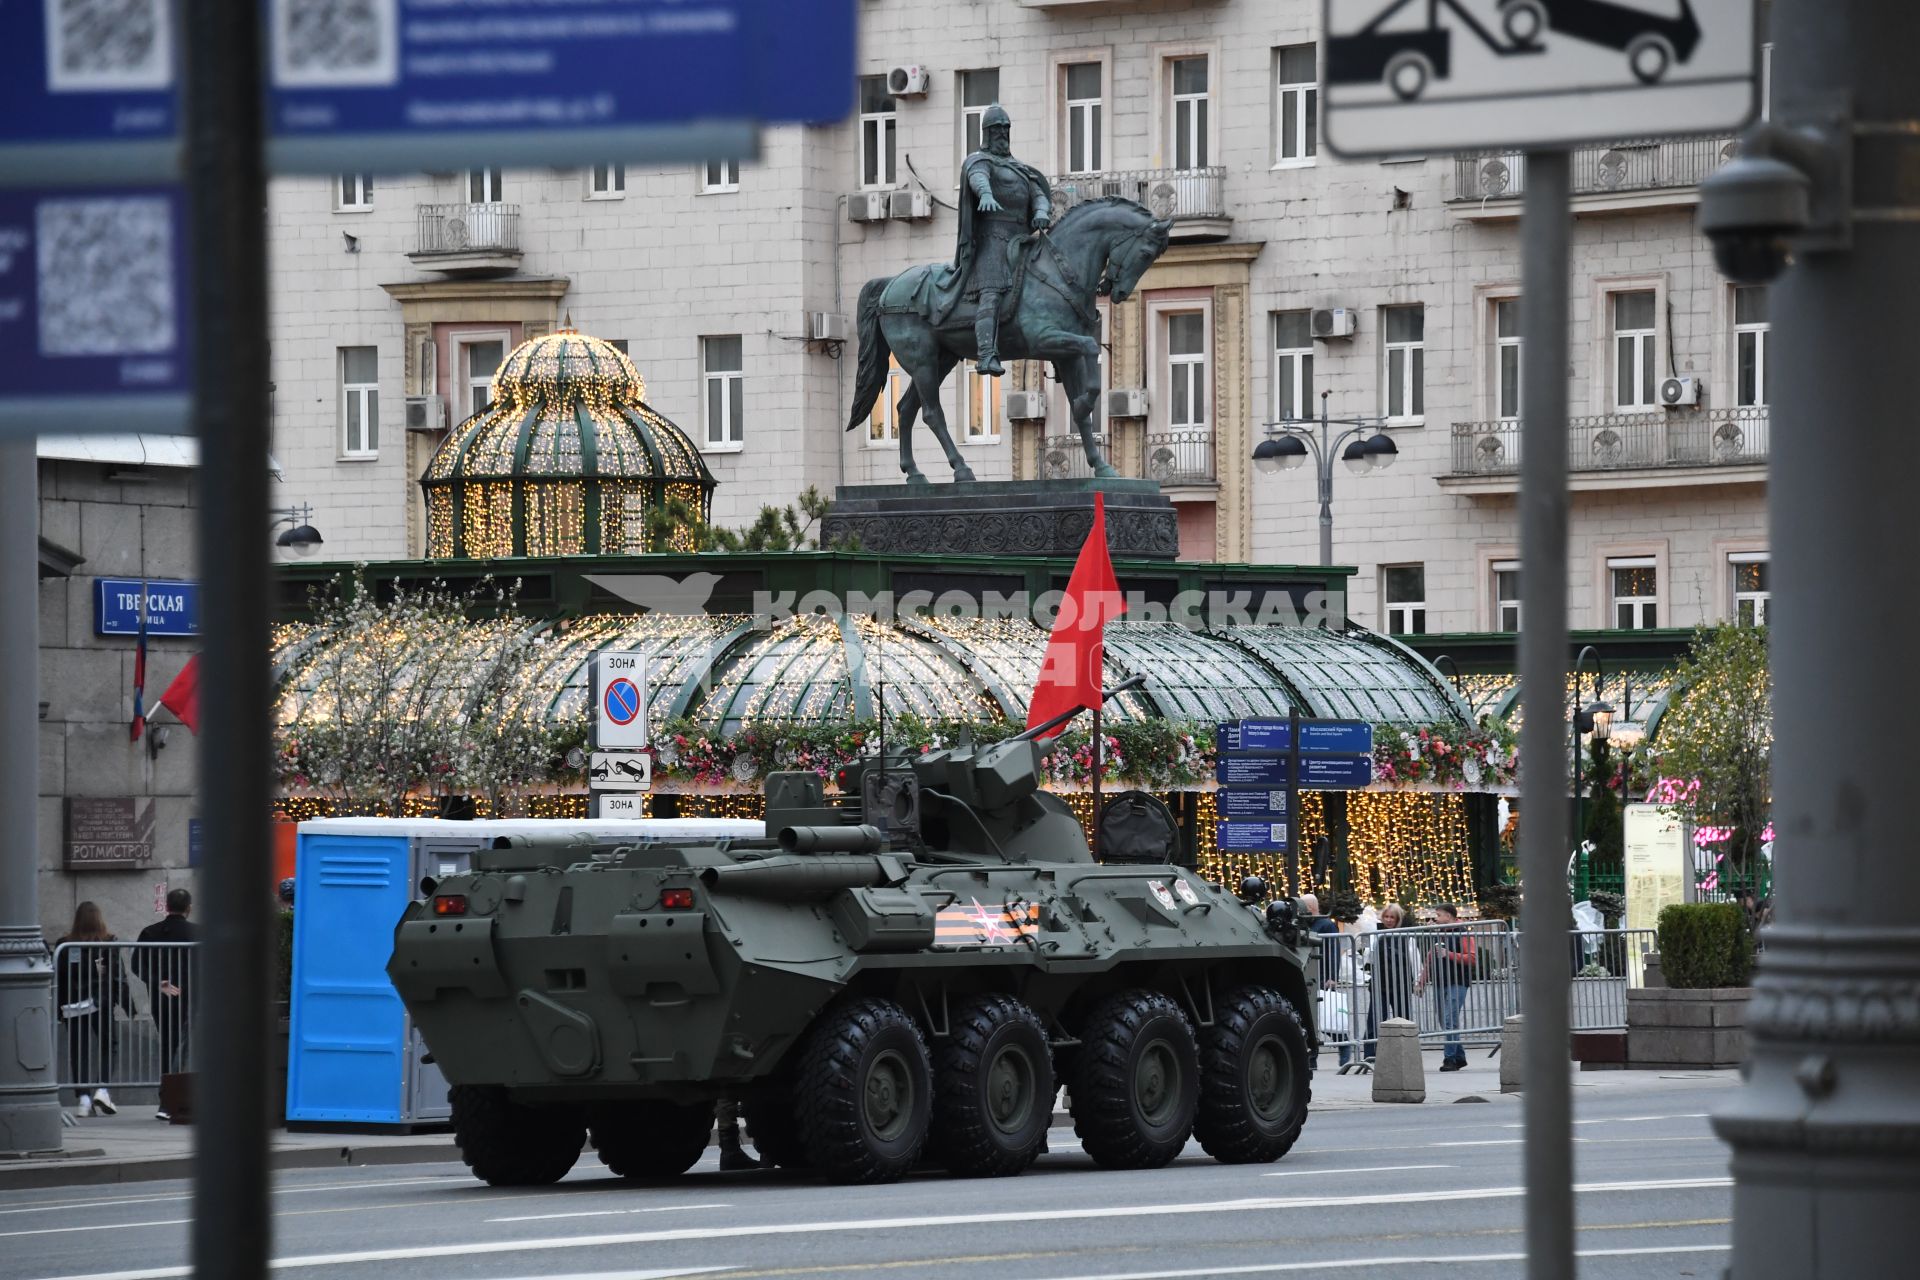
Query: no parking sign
[{"x": 620, "y": 700}]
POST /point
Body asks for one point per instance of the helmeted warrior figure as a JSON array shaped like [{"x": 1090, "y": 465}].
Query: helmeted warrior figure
[{"x": 1002, "y": 199}]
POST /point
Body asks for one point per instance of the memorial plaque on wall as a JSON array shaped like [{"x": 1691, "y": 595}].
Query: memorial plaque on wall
[{"x": 111, "y": 834}]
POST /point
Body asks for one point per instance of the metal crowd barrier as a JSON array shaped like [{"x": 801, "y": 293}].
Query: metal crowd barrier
[
  {"x": 1421, "y": 974},
  {"x": 122, "y": 1012}
]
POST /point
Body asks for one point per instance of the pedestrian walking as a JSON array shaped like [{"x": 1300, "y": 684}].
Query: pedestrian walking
[
  {"x": 168, "y": 973},
  {"x": 1392, "y": 967},
  {"x": 91, "y": 984},
  {"x": 1449, "y": 968}
]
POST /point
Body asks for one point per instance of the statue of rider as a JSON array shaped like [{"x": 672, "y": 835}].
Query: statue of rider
[{"x": 1001, "y": 199}]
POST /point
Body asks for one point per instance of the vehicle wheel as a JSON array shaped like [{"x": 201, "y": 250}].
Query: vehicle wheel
[
  {"x": 864, "y": 1092},
  {"x": 1408, "y": 74},
  {"x": 1523, "y": 21},
  {"x": 1650, "y": 56},
  {"x": 1254, "y": 1079},
  {"x": 774, "y": 1131},
  {"x": 650, "y": 1139},
  {"x": 1137, "y": 1083},
  {"x": 509, "y": 1144},
  {"x": 992, "y": 1088}
]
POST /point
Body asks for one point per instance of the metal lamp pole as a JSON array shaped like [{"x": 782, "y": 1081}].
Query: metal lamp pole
[
  {"x": 1290, "y": 441},
  {"x": 1582, "y": 723}
]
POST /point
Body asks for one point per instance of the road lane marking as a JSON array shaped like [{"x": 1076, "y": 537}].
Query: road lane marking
[
  {"x": 708, "y": 1234},
  {"x": 1479, "y": 1142},
  {"x": 1418, "y": 1260},
  {"x": 1378, "y": 1168},
  {"x": 609, "y": 1213},
  {"x": 1585, "y": 1142},
  {"x": 1684, "y": 1115},
  {"x": 94, "y": 1226}
]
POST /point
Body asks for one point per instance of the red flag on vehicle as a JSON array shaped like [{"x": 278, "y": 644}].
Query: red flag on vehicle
[
  {"x": 1070, "y": 675},
  {"x": 183, "y": 695}
]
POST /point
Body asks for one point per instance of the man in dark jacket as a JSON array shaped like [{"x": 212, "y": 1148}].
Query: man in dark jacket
[{"x": 168, "y": 973}]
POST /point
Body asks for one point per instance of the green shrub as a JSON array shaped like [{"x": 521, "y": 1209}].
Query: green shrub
[{"x": 1705, "y": 944}]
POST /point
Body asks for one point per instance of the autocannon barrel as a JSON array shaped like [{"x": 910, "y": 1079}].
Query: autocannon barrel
[
  {"x": 860, "y": 839},
  {"x": 792, "y": 878}
]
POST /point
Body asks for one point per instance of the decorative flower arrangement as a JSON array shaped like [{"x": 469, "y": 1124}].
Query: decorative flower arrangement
[{"x": 1447, "y": 755}]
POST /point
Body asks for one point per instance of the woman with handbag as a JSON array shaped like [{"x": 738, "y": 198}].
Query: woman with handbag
[{"x": 91, "y": 985}]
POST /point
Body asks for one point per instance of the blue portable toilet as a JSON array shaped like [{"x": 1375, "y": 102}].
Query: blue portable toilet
[{"x": 353, "y": 1056}]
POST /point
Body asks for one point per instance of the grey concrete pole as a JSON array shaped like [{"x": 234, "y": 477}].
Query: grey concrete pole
[
  {"x": 1826, "y": 1129},
  {"x": 29, "y": 1107},
  {"x": 232, "y": 1231},
  {"x": 1548, "y": 1104}
]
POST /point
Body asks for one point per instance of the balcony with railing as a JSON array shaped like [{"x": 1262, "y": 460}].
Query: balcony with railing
[
  {"x": 1177, "y": 458},
  {"x": 1718, "y": 446},
  {"x": 467, "y": 238},
  {"x": 1619, "y": 177},
  {"x": 1174, "y": 459},
  {"x": 1063, "y": 457},
  {"x": 1194, "y": 198}
]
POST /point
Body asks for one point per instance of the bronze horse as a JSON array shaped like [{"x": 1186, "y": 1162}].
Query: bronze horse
[{"x": 1101, "y": 247}]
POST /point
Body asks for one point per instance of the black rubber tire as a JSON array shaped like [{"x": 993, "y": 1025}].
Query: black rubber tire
[
  {"x": 1137, "y": 1082},
  {"x": 1255, "y": 1081},
  {"x": 774, "y": 1130},
  {"x": 508, "y": 1144},
  {"x": 863, "y": 1092},
  {"x": 650, "y": 1139},
  {"x": 992, "y": 1088}
]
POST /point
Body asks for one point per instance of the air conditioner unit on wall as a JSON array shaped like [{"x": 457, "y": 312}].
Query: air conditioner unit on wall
[
  {"x": 1335, "y": 322},
  {"x": 1127, "y": 402},
  {"x": 909, "y": 206},
  {"x": 426, "y": 413},
  {"x": 1026, "y": 406},
  {"x": 826, "y": 326},
  {"x": 867, "y": 206},
  {"x": 908, "y": 82},
  {"x": 1680, "y": 393}
]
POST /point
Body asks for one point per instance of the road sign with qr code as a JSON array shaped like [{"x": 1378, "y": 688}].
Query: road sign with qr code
[{"x": 98, "y": 72}]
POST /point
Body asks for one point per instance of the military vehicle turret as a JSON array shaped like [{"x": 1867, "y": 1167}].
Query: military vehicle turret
[{"x": 899, "y": 977}]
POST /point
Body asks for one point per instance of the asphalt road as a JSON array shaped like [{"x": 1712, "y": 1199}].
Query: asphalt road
[{"x": 1422, "y": 1190}]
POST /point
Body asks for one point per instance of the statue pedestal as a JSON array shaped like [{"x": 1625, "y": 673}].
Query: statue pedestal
[{"x": 1003, "y": 518}]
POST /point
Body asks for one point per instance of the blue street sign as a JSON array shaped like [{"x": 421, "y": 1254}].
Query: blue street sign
[
  {"x": 1345, "y": 737},
  {"x": 1250, "y": 771},
  {"x": 95, "y": 330},
  {"x": 549, "y": 81},
  {"x": 194, "y": 831},
  {"x": 1256, "y": 735},
  {"x": 1335, "y": 773},
  {"x": 1251, "y": 837},
  {"x": 173, "y": 608},
  {"x": 93, "y": 74},
  {"x": 1268, "y": 803}
]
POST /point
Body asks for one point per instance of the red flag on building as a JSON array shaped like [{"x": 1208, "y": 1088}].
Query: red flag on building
[
  {"x": 183, "y": 695},
  {"x": 1070, "y": 675}
]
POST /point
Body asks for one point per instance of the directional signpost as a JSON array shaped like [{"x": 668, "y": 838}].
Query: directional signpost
[
  {"x": 1260, "y": 777},
  {"x": 1416, "y": 76}
]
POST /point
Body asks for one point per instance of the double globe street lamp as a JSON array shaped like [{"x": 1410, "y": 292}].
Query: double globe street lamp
[{"x": 1363, "y": 446}]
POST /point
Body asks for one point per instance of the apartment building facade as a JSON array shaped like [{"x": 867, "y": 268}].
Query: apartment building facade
[{"x": 1383, "y": 289}]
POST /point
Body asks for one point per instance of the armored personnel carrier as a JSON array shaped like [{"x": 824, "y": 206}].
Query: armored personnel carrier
[{"x": 902, "y": 977}]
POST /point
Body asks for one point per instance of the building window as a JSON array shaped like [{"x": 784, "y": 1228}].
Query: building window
[
  {"x": 1750, "y": 329},
  {"x": 483, "y": 186},
  {"x": 1635, "y": 348},
  {"x": 1292, "y": 364},
  {"x": 1084, "y": 112},
  {"x": 876, "y": 132},
  {"x": 607, "y": 182},
  {"x": 720, "y": 360},
  {"x": 883, "y": 423},
  {"x": 354, "y": 193},
  {"x": 1187, "y": 371},
  {"x": 1506, "y": 357},
  {"x": 481, "y": 360},
  {"x": 981, "y": 405},
  {"x": 1506, "y": 595},
  {"x": 618, "y": 344},
  {"x": 720, "y": 175},
  {"x": 1296, "y": 105},
  {"x": 1192, "y": 109},
  {"x": 359, "y": 402},
  {"x": 1636, "y": 593},
  {"x": 978, "y": 91},
  {"x": 1752, "y": 592},
  {"x": 1404, "y": 590},
  {"x": 1406, "y": 330}
]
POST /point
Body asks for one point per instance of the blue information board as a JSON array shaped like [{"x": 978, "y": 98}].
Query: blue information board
[
  {"x": 1335, "y": 773},
  {"x": 173, "y": 608},
  {"x": 1250, "y": 771},
  {"x": 1251, "y": 837},
  {"x": 95, "y": 330},
  {"x": 94, "y": 74},
  {"x": 1346, "y": 737},
  {"x": 1268, "y": 803}
]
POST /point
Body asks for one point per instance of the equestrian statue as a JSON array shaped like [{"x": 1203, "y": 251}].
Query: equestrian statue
[{"x": 1021, "y": 287}]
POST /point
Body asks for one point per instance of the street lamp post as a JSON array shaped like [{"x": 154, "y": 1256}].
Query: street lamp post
[
  {"x": 1596, "y": 719},
  {"x": 1290, "y": 441}
]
